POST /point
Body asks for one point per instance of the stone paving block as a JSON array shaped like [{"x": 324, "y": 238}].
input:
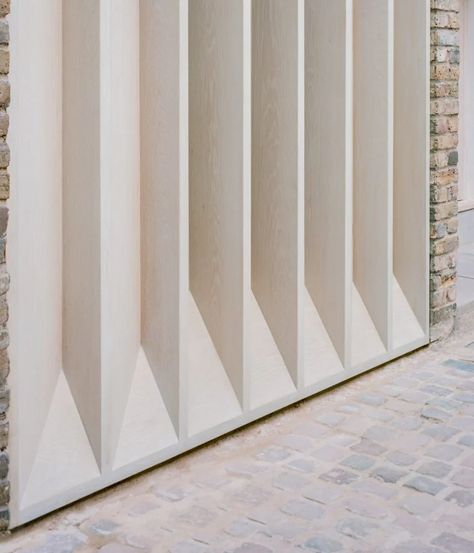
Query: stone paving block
[
  {"x": 138, "y": 541},
  {"x": 322, "y": 493},
  {"x": 350, "y": 408},
  {"x": 285, "y": 529},
  {"x": 388, "y": 474},
  {"x": 419, "y": 504},
  {"x": 438, "y": 469},
  {"x": 331, "y": 419},
  {"x": 414, "y": 525},
  {"x": 312, "y": 429},
  {"x": 357, "y": 425},
  {"x": 303, "y": 508},
  {"x": 392, "y": 390},
  {"x": 273, "y": 454},
  {"x": 414, "y": 396},
  {"x": 453, "y": 543},
  {"x": 341, "y": 439},
  {"x": 415, "y": 546},
  {"x": 296, "y": 442},
  {"x": 464, "y": 478},
  {"x": 329, "y": 453},
  {"x": 196, "y": 515},
  {"x": 380, "y": 434},
  {"x": 406, "y": 423},
  {"x": 252, "y": 548},
  {"x": 59, "y": 543},
  {"x": 468, "y": 461},
  {"x": 120, "y": 548},
  {"x": 462, "y": 498},
  {"x": 103, "y": 527},
  {"x": 441, "y": 432},
  {"x": 402, "y": 407},
  {"x": 434, "y": 389},
  {"x": 252, "y": 495},
  {"x": 444, "y": 452},
  {"x": 171, "y": 494},
  {"x": 290, "y": 481},
  {"x": 467, "y": 440},
  {"x": 365, "y": 506},
  {"x": 369, "y": 447},
  {"x": 407, "y": 381},
  {"x": 302, "y": 465},
  {"x": 380, "y": 414},
  {"x": 448, "y": 404},
  {"x": 459, "y": 365},
  {"x": 371, "y": 399},
  {"x": 434, "y": 413},
  {"x": 245, "y": 470},
  {"x": 142, "y": 507},
  {"x": 465, "y": 397},
  {"x": 423, "y": 374},
  {"x": 339, "y": 476},
  {"x": 242, "y": 528},
  {"x": 356, "y": 527},
  {"x": 400, "y": 458},
  {"x": 413, "y": 441},
  {"x": 321, "y": 544},
  {"x": 425, "y": 485},
  {"x": 459, "y": 521},
  {"x": 466, "y": 424},
  {"x": 358, "y": 462},
  {"x": 375, "y": 487}
]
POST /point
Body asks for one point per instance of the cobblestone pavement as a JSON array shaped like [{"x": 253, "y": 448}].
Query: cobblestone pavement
[{"x": 384, "y": 463}]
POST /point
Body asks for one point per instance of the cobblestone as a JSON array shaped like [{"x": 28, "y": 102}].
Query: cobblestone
[{"x": 358, "y": 469}]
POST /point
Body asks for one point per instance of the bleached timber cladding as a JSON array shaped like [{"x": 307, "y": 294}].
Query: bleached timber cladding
[{"x": 218, "y": 208}]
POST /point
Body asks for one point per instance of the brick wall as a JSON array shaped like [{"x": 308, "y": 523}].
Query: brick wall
[
  {"x": 4, "y": 278},
  {"x": 444, "y": 159}
]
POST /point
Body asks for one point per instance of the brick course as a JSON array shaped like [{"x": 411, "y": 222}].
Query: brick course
[{"x": 444, "y": 91}]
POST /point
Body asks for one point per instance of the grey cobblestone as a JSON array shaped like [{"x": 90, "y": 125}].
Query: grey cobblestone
[
  {"x": 463, "y": 498},
  {"x": 322, "y": 494},
  {"x": 444, "y": 452},
  {"x": 339, "y": 476},
  {"x": 426, "y": 485},
  {"x": 356, "y": 527},
  {"x": 400, "y": 458},
  {"x": 467, "y": 440},
  {"x": 464, "y": 477},
  {"x": 358, "y": 462},
  {"x": 323, "y": 545},
  {"x": 388, "y": 474},
  {"x": 441, "y": 432},
  {"x": 303, "y": 508},
  {"x": 454, "y": 544},
  {"x": 369, "y": 447},
  {"x": 438, "y": 469}
]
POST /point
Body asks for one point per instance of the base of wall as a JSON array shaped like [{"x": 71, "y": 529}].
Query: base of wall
[{"x": 443, "y": 329}]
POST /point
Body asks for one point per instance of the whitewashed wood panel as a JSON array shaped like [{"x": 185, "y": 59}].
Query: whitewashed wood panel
[{"x": 214, "y": 214}]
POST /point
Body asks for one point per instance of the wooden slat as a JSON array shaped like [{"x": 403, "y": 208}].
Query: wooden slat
[
  {"x": 162, "y": 197},
  {"x": 275, "y": 171},
  {"x": 34, "y": 231},
  {"x": 120, "y": 211},
  {"x": 215, "y": 184},
  {"x": 81, "y": 211},
  {"x": 328, "y": 173},
  {"x": 373, "y": 159},
  {"x": 410, "y": 193}
]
